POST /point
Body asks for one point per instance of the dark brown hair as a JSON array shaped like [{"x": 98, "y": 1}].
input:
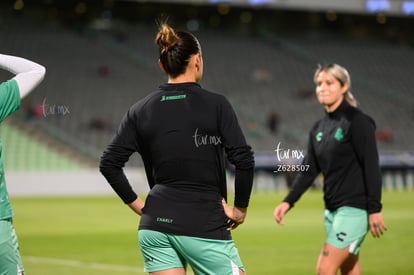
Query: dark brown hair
[{"x": 175, "y": 49}]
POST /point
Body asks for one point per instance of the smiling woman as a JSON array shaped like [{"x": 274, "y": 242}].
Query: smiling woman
[
  {"x": 332, "y": 84},
  {"x": 342, "y": 147}
]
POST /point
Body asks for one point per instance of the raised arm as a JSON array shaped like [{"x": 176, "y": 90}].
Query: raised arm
[{"x": 28, "y": 74}]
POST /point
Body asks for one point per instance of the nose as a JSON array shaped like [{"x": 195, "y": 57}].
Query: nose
[{"x": 319, "y": 89}]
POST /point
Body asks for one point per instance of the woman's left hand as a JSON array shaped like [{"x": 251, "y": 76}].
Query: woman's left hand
[{"x": 376, "y": 224}]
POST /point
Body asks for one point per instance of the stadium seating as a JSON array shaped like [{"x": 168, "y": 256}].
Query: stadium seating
[{"x": 92, "y": 78}]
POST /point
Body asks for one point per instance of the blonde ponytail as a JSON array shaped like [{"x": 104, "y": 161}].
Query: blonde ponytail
[{"x": 349, "y": 97}]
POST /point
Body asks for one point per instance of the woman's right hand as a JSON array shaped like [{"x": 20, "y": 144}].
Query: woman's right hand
[
  {"x": 137, "y": 206},
  {"x": 280, "y": 212}
]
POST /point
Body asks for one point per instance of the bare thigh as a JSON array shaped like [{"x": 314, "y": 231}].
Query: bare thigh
[
  {"x": 172, "y": 271},
  {"x": 333, "y": 259}
]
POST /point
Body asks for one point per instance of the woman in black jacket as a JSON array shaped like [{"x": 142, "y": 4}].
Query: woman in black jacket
[
  {"x": 342, "y": 147},
  {"x": 183, "y": 134}
]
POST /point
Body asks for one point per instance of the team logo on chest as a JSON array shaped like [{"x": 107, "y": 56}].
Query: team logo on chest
[
  {"x": 339, "y": 134},
  {"x": 318, "y": 136}
]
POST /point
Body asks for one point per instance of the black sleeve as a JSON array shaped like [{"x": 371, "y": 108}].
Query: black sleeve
[
  {"x": 239, "y": 154},
  {"x": 243, "y": 181},
  {"x": 304, "y": 179},
  {"x": 365, "y": 146},
  {"x": 122, "y": 146}
]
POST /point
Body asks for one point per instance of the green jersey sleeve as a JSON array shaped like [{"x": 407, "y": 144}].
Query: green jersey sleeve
[{"x": 9, "y": 98}]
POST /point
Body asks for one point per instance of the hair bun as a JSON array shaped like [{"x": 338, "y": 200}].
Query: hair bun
[{"x": 166, "y": 38}]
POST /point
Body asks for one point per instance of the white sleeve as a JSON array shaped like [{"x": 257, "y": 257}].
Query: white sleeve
[{"x": 28, "y": 74}]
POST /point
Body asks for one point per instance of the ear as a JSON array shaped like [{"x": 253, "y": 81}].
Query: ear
[
  {"x": 161, "y": 66},
  {"x": 197, "y": 60}
]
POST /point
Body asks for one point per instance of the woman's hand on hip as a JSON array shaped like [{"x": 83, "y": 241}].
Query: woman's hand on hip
[{"x": 235, "y": 215}]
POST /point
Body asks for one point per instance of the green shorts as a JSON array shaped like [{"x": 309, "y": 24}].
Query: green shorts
[
  {"x": 10, "y": 260},
  {"x": 346, "y": 227},
  {"x": 205, "y": 256}
]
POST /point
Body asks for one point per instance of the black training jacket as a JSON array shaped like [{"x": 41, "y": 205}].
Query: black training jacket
[
  {"x": 183, "y": 134},
  {"x": 342, "y": 146}
]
